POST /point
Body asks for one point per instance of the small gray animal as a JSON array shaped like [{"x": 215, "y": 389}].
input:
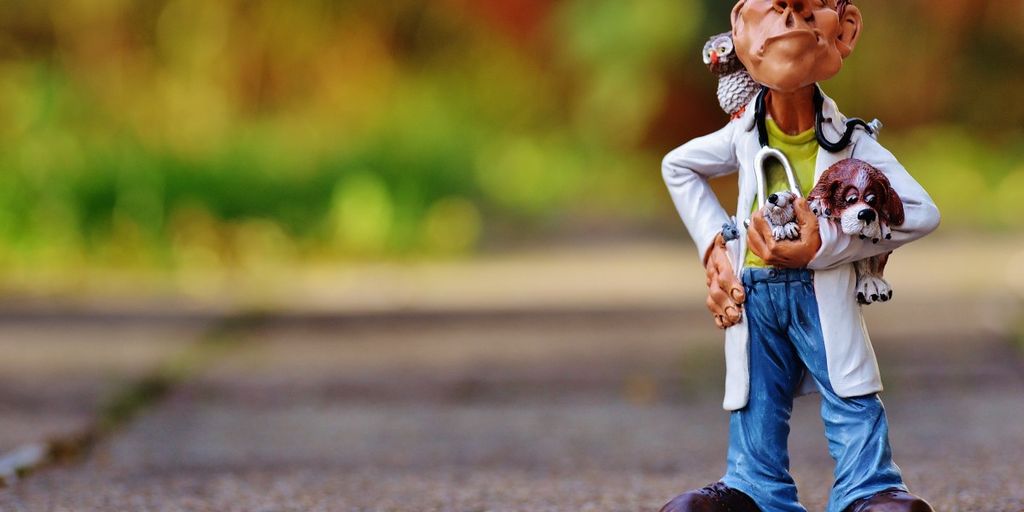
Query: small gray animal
[
  {"x": 781, "y": 217},
  {"x": 730, "y": 232},
  {"x": 736, "y": 88}
]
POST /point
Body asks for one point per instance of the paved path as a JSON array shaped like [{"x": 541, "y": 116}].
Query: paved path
[
  {"x": 54, "y": 376},
  {"x": 612, "y": 412},
  {"x": 588, "y": 408}
]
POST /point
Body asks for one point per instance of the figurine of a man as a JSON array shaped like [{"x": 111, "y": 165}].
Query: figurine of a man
[{"x": 789, "y": 309}]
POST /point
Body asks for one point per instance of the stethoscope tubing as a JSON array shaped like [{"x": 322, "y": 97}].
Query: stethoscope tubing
[{"x": 761, "y": 114}]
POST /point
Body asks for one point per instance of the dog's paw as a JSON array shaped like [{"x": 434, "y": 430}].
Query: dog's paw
[
  {"x": 787, "y": 231},
  {"x": 791, "y": 231},
  {"x": 886, "y": 231},
  {"x": 816, "y": 206},
  {"x": 872, "y": 232},
  {"x": 871, "y": 289}
]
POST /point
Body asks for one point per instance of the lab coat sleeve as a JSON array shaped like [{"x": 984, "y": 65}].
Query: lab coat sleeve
[{"x": 686, "y": 171}]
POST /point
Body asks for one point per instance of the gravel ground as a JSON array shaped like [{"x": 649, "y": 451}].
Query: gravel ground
[{"x": 611, "y": 411}]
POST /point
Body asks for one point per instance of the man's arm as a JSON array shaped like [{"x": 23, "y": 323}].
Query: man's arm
[
  {"x": 686, "y": 171},
  {"x": 922, "y": 216}
]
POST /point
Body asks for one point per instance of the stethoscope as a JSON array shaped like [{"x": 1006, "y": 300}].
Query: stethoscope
[
  {"x": 761, "y": 116},
  {"x": 767, "y": 152}
]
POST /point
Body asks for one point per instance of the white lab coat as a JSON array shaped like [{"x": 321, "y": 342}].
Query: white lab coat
[{"x": 852, "y": 368}]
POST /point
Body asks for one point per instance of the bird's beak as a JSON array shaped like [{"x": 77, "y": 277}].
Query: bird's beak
[{"x": 714, "y": 57}]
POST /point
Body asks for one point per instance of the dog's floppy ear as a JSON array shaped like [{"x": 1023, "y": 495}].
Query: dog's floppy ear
[
  {"x": 825, "y": 192},
  {"x": 893, "y": 207},
  {"x": 828, "y": 186}
]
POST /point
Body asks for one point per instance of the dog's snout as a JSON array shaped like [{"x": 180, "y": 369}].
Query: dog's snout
[
  {"x": 867, "y": 215},
  {"x": 773, "y": 199}
]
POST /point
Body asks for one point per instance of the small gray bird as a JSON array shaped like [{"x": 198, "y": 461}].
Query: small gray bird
[{"x": 735, "y": 86}]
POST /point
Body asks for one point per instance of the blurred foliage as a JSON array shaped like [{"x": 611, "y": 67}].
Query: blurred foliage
[{"x": 240, "y": 134}]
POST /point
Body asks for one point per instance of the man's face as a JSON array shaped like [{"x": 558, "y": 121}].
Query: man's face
[{"x": 790, "y": 44}]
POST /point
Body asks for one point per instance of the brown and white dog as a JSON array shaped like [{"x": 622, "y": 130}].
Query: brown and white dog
[{"x": 859, "y": 198}]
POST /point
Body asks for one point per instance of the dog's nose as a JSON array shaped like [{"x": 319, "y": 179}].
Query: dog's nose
[
  {"x": 773, "y": 199},
  {"x": 867, "y": 215}
]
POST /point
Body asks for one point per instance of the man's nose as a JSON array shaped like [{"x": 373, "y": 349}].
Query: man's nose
[
  {"x": 866, "y": 215},
  {"x": 799, "y": 8}
]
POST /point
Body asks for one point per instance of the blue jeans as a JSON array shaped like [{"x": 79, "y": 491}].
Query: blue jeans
[{"x": 785, "y": 340}]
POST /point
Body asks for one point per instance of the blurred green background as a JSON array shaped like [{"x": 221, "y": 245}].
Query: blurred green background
[{"x": 241, "y": 136}]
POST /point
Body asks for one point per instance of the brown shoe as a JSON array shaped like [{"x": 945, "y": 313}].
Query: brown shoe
[
  {"x": 893, "y": 500},
  {"x": 716, "y": 497}
]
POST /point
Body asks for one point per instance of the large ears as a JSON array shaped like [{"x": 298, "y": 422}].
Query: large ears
[
  {"x": 734, "y": 17},
  {"x": 824, "y": 192},
  {"x": 849, "y": 30},
  {"x": 894, "y": 208}
]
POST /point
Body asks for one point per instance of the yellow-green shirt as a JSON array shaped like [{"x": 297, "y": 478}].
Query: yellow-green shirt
[{"x": 802, "y": 151}]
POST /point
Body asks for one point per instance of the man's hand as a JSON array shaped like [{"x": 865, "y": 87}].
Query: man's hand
[
  {"x": 725, "y": 293},
  {"x": 786, "y": 253}
]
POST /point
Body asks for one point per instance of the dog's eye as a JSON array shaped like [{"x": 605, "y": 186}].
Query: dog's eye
[
  {"x": 852, "y": 198},
  {"x": 870, "y": 198}
]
